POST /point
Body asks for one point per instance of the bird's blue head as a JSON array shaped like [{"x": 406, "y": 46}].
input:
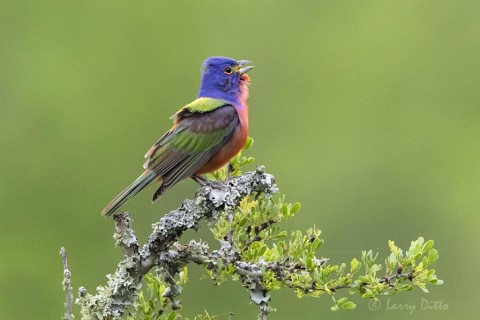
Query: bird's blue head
[{"x": 225, "y": 78}]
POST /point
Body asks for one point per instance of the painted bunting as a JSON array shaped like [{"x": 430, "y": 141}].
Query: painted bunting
[{"x": 206, "y": 133}]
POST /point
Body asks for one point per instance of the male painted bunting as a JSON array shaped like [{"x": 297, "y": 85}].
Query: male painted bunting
[{"x": 206, "y": 133}]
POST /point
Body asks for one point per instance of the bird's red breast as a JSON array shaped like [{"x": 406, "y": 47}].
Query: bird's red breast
[{"x": 239, "y": 137}]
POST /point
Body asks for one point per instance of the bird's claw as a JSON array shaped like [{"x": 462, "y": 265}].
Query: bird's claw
[{"x": 221, "y": 185}]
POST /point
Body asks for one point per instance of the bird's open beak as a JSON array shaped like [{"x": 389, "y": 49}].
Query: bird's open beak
[{"x": 243, "y": 66}]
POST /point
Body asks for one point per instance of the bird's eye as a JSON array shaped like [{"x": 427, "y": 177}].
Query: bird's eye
[{"x": 227, "y": 70}]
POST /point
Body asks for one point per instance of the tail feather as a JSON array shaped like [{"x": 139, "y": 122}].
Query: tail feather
[{"x": 136, "y": 186}]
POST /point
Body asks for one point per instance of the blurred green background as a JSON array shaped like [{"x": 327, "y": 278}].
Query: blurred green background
[{"x": 367, "y": 112}]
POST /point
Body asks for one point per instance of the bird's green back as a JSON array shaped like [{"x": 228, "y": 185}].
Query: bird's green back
[{"x": 201, "y": 105}]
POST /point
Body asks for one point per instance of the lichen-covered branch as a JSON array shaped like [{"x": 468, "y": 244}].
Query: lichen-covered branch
[
  {"x": 120, "y": 294},
  {"x": 67, "y": 287}
]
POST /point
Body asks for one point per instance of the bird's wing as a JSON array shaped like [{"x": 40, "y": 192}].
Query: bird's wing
[
  {"x": 194, "y": 139},
  {"x": 199, "y": 105}
]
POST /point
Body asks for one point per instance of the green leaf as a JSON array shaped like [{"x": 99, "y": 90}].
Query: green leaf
[
  {"x": 375, "y": 267},
  {"x": 432, "y": 256},
  {"x": 295, "y": 208},
  {"x": 427, "y": 246},
  {"x": 248, "y": 143},
  {"x": 349, "y": 305},
  {"x": 355, "y": 265}
]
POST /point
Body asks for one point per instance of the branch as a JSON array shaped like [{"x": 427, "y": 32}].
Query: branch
[
  {"x": 67, "y": 286},
  {"x": 253, "y": 249},
  {"x": 120, "y": 294}
]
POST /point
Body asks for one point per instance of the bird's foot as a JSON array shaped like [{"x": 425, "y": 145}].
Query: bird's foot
[{"x": 208, "y": 183}]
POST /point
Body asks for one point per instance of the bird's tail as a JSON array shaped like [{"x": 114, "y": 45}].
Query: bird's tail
[{"x": 136, "y": 186}]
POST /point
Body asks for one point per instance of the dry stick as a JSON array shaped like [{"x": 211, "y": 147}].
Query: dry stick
[{"x": 67, "y": 275}]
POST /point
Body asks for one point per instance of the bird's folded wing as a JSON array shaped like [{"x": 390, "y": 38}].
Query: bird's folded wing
[
  {"x": 194, "y": 139},
  {"x": 199, "y": 105}
]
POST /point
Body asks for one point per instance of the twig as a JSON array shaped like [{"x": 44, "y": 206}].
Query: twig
[
  {"x": 257, "y": 231},
  {"x": 67, "y": 275},
  {"x": 124, "y": 234},
  {"x": 388, "y": 279}
]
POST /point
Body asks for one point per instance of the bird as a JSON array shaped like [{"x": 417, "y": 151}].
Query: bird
[{"x": 205, "y": 135}]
